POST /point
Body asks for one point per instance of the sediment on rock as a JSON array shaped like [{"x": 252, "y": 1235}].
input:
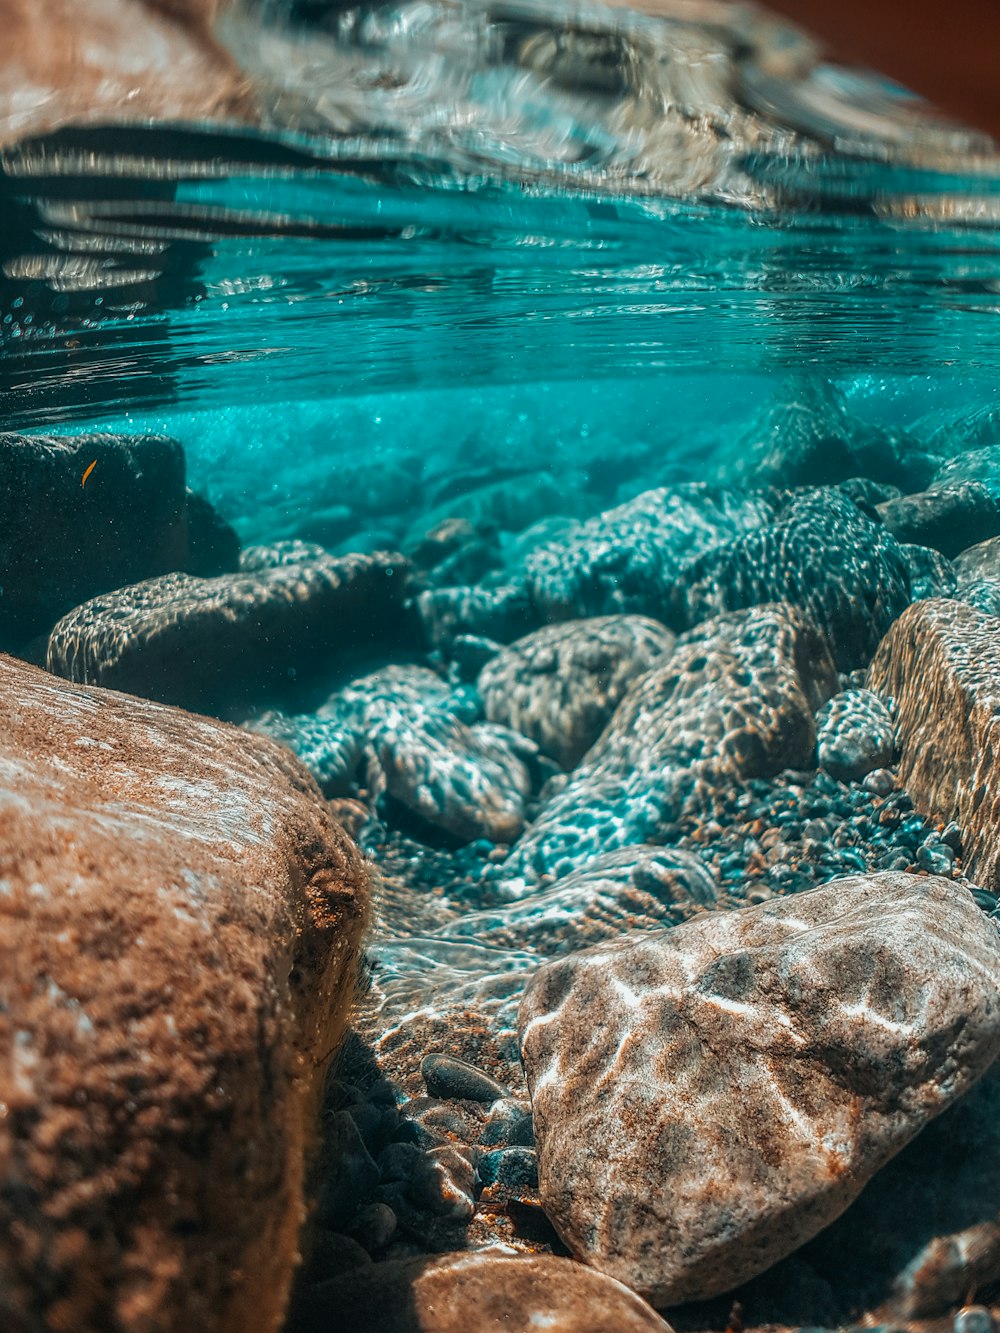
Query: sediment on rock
[{"x": 180, "y": 920}]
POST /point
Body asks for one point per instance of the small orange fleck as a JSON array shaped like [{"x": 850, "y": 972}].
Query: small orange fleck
[{"x": 88, "y": 472}]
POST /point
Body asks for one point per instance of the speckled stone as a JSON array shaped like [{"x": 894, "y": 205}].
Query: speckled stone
[
  {"x": 822, "y": 554},
  {"x": 855, "y": 734},
  {"x": 560, "y": 685},
  {"x": 734, "y": 701},
  {"x": 931, "y": 573},
  {"x": 470, "y": 780},
  {"x": 491, "y": 1293},
  {"x": 611, "y": 893},
  {"x": 334, "y": 750},
  {"x": 709, "y": 1098},
  {"x": 179, "y": 926},
  {"x": 503, "y": 613},
  {"x": 625, "y": 559},
  {"x": 941, "y": 663},
  {"x": 205, "y": 643}
]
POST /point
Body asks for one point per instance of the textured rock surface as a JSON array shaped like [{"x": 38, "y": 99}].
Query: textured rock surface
[
  {"x": 502, "y": 613},
  {"x": 560, "y": 685},
  {"x": 734, "y": 701},
  {"x": 625, "y": 559},
  {"x": 854, "y": 735},
  {"x": 809, "y": 438},
  {"x": 941, "y": 663},
  {"x": 206, "y": 643},
  {"x": 931, "y": 573},
  {"x": 947, "y": 518},
  {"x": 61, "y": 541},
  {"x": 179, "y": 921},
  {"x": 707, "y": 1099},
  {"x": 470, "y": 780},
  {"x": 823, "y": 555},
  {"x": 491, "y": 1293},
  {"x": 608, "y": 895}
]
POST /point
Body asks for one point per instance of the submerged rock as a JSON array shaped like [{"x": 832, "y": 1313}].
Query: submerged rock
[
  {"x": 560, "y": 684},
  {"x": 491, "y": 1293},
  {"x": 625, "y": 559},
  {"x": 734, "y": 701},
  {"x": 614, "y": 892},
  {"x": 708, "y": 1098},
  {"x": 941, "y": 663},
  {"x": 179, "y": 925},
  {"x": 502, "y": 613},
  {"x": 809, "y": 438},
  {"x": 210, "y": 643},
  {"x": 947, "y": 518},
  {"x": 62, "y": 541},
  {"x": 931, "y": 573},
  {"x": 854, "y": 735},
  {"x": 821, "y": 554},
  {"x": 472, "y": 781}
]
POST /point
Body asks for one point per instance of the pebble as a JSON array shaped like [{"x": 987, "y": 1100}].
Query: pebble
[
  {"x": 375, "y": 1226},
  {"x": 512, "y": 1168},
  {"x": 509, "y": 1123},
  {"x": 445, "y": 1183},
  {"x": 398, "y": 1161},
  {"x": 446, "y": 1076},
  {"x": 973, "y": 1319}
]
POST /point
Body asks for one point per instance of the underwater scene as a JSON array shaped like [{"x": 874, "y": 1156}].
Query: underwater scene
[{"x": 499, "y": 675}]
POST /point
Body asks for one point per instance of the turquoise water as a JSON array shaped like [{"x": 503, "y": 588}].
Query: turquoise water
[{"x": 520, "y": 266}]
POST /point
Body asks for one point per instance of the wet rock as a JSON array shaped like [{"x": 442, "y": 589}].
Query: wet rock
[
  {"x": 494, "y": 1293},
  {"x": 349, "y": 1175},
  {"x": 179, "y": 935},
  {"x": 609, "y": 893},
  {"x": 948, "y": 518},
  {"x": 276, "y": 555},
  {"x": 975, "y": 455},
  {"x": 734, "y": 701},
  {"x": 854, "y": 735},
  {"x": 503, "y": 613},
  {"x": 471, "y": 652},
  {"x": 333, "y": 750},
  {"x": 823, "y": 555},
  {"x": 471, "y": 781},
  {"x": 444, "y": 1182},
  {"x": 62, "y": 542},
  {"x": 447, "y": 1077},
  {"x": 626, "y": 559},
  {"x": 509, "y": 1123},
  {"x": 332, "y": 1253},
  {"x": 981, "y": 561},
  {"x": 209, "y": 644},
  {"x": 809, "y": 438},
  {"x": 982, "y": 594},
  {"x": 560, "y": 685},
  {"x": 375, "y": 1226},
  {"x": 511, "y": 1168},
  {"x": 709, "y": 1098},
  {"x": 931, "y": 574},
  {"x": 941, "y": 663}
]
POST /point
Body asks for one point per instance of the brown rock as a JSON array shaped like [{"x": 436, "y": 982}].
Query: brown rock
[
  {"x": 560, "y": 685},
  {"x": 707, "y": 1099},
  {"x": 64, "y": 62},
  {"x": 179, "y": 926},
  {"x": 206, "y": 643},
  {"x": 490, "y": 1293},
  {"x": 941, "y": 663}
]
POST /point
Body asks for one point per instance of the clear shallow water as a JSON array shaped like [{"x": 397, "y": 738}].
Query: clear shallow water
[{"x": 479, "y": 197}]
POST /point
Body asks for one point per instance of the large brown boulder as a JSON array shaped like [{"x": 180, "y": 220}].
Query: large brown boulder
[
  {"x": 706, "y": 1099},
  {"x": 179, "y": 926},
  {"x": 941, "y": 663},
  {"x": 490, "y": 1293}
]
